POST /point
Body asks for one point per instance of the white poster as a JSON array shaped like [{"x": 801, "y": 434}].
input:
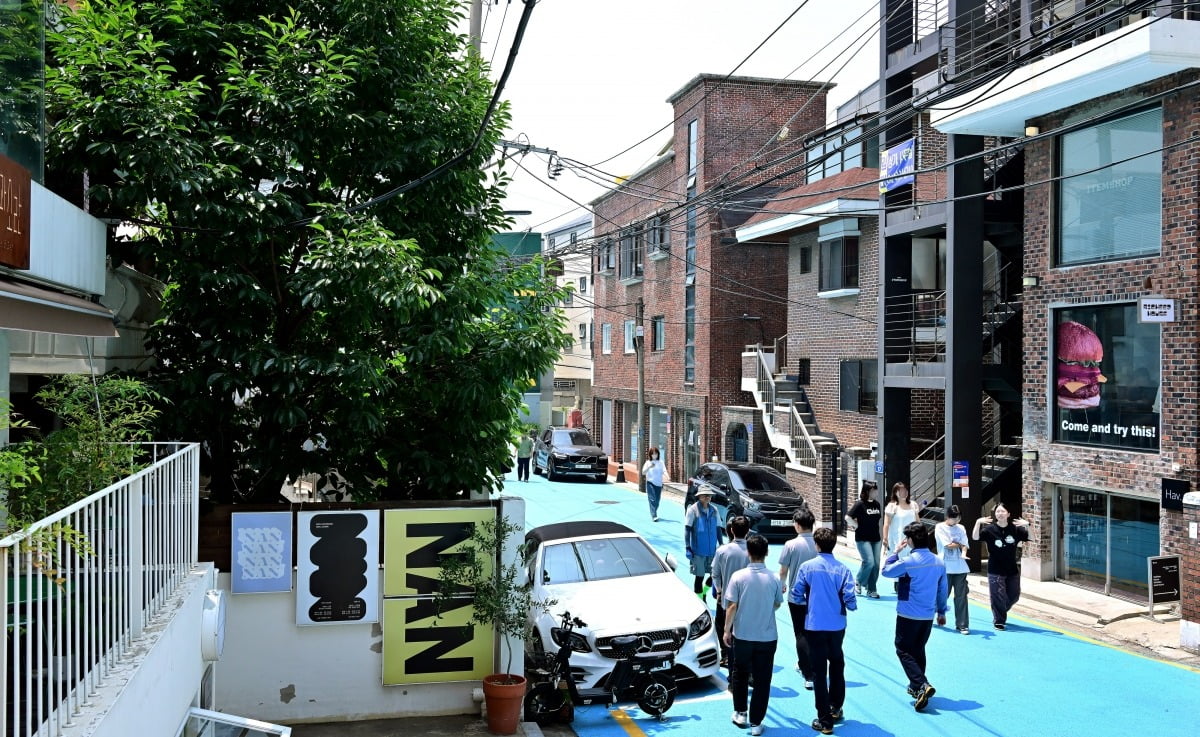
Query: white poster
[{"x": 337, "y": 567}]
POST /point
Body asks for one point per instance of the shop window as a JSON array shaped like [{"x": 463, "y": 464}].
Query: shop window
[
  {"x": 1109, "y": 192},
  {"x": 1106, "y": 381}
]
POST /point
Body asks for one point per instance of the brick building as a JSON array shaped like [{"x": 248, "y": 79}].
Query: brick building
[
  {"x": 1080, "y": 164},
  {"x": 666, "y": 260}
]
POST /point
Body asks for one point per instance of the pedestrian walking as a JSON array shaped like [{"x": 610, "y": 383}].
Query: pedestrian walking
[
  {"x": 655, "y": 473},
  {"x": 899, "y": 512},
  {"x": 952, "y": 543},
  {"x": 796, "y": 552},
  {"x": 921, "y": 594},
  {"x": 1003, "y": 536},
  {"x": 751, "y": 598},
  {"x": 865, "y": 519},
  {"x": 827, "y": 587},
  {"x": 524, "y": 452},
  {"x": 701, "y": 536},
  {"x": 729, "y": 559}
]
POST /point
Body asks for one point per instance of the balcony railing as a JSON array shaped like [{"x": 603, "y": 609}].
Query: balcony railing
[
  {"x": 83, "y": 584},
  {"x": 915, "y": 328},
  {"x": 803, "y": 450}
]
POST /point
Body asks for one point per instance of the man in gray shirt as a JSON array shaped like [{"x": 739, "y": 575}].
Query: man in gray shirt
[
  {"x": 796, "y": 552},
  {"x": 751, "y": 598},
  {"x": 730, "y": 558}
]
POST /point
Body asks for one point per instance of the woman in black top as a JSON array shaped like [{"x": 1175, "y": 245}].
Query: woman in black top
[{"x": 864, "y": 518}]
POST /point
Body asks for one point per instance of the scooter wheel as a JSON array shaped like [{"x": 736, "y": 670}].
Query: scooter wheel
[
  {"x": 544, "y": 703},
  {"x": 656, "y": 694}
]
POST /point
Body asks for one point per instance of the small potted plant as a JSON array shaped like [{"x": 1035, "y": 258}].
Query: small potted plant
[{"x": 503, "y": 598}]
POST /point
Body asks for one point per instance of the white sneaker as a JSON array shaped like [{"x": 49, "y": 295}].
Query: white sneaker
[
  {"x": 808, "y": 685},
  {"x": 739, "y": 719},
  {"x": 756, "y": 730}
]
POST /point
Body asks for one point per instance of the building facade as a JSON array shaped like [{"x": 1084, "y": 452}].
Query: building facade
[
  {"x": 1078, "y": 167},
  {"x": 567, "y": 249},
  {"x": 666, "y": 261}
]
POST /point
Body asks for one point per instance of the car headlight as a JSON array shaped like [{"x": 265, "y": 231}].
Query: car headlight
[
  {"x": 749, "y": 504},
  {"x": 577, "y": 641},
  {"x": 700, "y": 625},
  {"x": 560, "y": 455},
  {"x": 602, "y": 459}
]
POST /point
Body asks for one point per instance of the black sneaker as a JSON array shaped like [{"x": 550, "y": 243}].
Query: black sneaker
[
  {"x": 913, "y": 692},
  {"x": 821, "y": 727},
  {"x": 999, "y": 626},
  {"x": 836, "y": 715},
  {"x": 923, "y": 697}
]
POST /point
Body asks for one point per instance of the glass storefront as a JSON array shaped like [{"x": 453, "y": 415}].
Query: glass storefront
[
  {"x": 660, "y": 429},
  {"x": 1105, "y": 539}
]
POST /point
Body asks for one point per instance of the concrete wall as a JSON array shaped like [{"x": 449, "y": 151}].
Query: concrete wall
[
  {"x": 150, "y": 693},
  {"x": 278, "y": 672}
]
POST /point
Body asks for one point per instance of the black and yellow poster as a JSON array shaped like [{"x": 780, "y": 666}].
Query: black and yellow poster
[{"x": 418, "y": 645}]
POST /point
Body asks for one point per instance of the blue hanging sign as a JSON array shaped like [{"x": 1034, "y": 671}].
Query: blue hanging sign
[{"x": 898, "y": 164}]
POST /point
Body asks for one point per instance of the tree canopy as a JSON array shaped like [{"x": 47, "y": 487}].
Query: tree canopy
[{"x": 308, "y": 323}]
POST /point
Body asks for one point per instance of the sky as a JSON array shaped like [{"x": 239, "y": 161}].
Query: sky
[{"x": 592, "y": 79}]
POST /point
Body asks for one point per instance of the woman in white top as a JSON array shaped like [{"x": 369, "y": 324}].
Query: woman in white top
[
  {"x": 899, "y": 512},
  {"x": 952, "y": 549},
  {"x": 655, "y": 472}
]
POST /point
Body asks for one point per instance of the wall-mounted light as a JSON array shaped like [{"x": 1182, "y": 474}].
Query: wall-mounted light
[
  {"x": 1029, "y": 281},
  {"x": 1029, "y": 455},
  {"x": 1031, "y": 131}
]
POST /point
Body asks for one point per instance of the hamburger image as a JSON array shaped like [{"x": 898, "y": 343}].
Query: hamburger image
[{"x": 1078, "y": 376}]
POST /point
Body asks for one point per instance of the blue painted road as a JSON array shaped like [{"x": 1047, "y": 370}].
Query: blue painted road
[{"x": 1033, "y": 680}]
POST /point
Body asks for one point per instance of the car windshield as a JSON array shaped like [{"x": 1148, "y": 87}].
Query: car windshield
[
  {"x": 599, "y": 559},
  {"x": 572, "y": 437},
  {"x": 755, "y": 480}
]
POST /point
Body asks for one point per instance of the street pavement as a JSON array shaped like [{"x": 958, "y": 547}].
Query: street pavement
[
  {"x": 1071, "y": 662},
  {"x": 1061, "y": 667}
]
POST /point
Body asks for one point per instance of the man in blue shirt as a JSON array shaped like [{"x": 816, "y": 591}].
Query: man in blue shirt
[
  {"x": 751, "y": 598},
  {"x": 701, "y": 536},
  {"x": 921, "y": 592},
  {"x": 826, "y": 585}
]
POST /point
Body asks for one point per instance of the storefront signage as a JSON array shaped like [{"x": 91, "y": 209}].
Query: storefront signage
[
  {"x": 962, "y": 473},
  {"x": 14, "y": 214},
  {"x": 1173, "y": 491},
  {"x": 898, "y": 164},
  {"x": 1164, "y": 579},
  {"x": 1107, "y": 377},
  {"x": 1156, "y": 309}
]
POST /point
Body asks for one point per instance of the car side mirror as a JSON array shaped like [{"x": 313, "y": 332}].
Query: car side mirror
[
  {"x": 724, "y": 487},
  {"x": 671, "y": 562}
]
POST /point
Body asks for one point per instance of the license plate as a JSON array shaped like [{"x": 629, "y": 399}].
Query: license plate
[
  {"x": 583, "y": 465},
  {"x": 781, "y": 523}
]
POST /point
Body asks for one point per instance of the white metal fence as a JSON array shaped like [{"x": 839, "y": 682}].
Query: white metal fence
[{"x": 83, "y": 583}]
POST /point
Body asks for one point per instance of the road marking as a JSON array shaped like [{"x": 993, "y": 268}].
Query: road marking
[{"x": 631, "y": 728}]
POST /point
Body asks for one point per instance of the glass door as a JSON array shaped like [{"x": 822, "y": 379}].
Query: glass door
[
  {"x": 691, "y": 443},
  {"x": 1083, "y": 552},
  {"x": 1105, "y": 539}
]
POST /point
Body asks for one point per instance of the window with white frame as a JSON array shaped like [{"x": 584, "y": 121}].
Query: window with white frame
[
  {"x": 629, "y": 336},
  {"x": 632, "y": 247},
  {"x": 838, "y": 244},
  {"x": 583, "y": 284},
  {"x": 606, "y": 338},
  {"x": 658, "y": 234},
  {"x": 582, "y": 334},
  {"x": 658, "y": 325},
  {"x": 606, "y": 260}
]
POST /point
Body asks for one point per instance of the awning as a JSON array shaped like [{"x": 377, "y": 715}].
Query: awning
[{"x": 40, "y": 310}]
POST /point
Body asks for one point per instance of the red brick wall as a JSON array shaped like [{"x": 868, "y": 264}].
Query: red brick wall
[
  {"x": 1172, "y": 274},
  {"x": 736, "y": 118}
]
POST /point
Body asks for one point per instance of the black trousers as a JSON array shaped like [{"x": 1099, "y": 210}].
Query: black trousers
[
  {"x": 755, "y": 660},
  {"x": 829, "y": 671},
  {"x": 911, "y": 636},
  {"x": 803, "y": 656},
  {"x": 720, "y": 625},
  {"x": 522, "y": 469}
]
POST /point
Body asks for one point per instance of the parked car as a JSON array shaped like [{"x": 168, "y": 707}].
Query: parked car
[
  {"x": 608, "y": 575},
  {"x": 759, "y": 492},
  {"x": 569, "y": 451}
]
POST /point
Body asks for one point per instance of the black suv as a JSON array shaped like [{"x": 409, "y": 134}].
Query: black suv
[
  {"x": 759, "y": 492},
  {"x": 569, "y": 451}
]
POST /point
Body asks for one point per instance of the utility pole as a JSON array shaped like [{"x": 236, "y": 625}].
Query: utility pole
[
  {"x": 476, "y": 27},
  {"x": 639, "y": 343}
]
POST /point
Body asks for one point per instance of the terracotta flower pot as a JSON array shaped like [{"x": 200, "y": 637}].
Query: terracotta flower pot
[{"x": 503, "y": 694}]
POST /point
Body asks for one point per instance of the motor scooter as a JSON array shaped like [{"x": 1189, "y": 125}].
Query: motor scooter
[{"x": 644, "y": 676}]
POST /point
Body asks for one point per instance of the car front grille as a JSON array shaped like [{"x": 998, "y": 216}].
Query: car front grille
[
  {"x": 590, "y": 460},
  {"x": 671, "y": 639}
]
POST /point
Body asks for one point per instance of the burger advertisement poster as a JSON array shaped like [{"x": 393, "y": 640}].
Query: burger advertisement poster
[{"x": 1106, "y": 377}]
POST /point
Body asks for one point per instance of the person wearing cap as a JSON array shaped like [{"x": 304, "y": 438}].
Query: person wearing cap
[
  {"x": 701, "y": 536},
  {"x": 952, "y": 544}
]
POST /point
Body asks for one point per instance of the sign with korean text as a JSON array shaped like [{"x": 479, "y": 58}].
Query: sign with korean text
[
  {"x": 1156, "y": 309},
  {"x": 14, "y": 214},
  {"x": 898, "y": 164},
  {"x": 421, "y": 644}
]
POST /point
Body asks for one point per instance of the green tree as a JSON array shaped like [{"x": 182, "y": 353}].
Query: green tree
[{"x": 309, "y": 324}]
